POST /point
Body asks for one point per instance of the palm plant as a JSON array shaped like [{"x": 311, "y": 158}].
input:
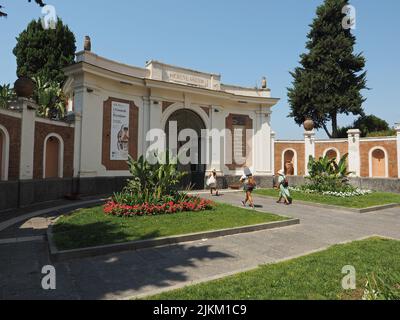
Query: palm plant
[
  {"x": 50, "y": 98},
  {"x": 152, "y": 182},
  {"x": 328, "y": 167},
  {"x": 7, "y": 94},
  {"x": 327, "y": 174}
]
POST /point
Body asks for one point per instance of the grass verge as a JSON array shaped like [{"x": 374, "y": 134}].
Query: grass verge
[
  {"x": 360, "y": 202},
  {"x": 91, "y": 227},
  {"x": 314, "y": 277}
]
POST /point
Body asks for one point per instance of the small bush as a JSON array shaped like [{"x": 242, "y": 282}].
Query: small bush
[{"x": 326, "y": 175}]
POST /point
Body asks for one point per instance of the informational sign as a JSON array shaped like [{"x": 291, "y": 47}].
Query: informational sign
[{"x": 119, "y": 149}]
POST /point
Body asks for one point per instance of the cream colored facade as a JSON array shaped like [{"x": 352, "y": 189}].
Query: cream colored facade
[{"x": 94, "y": 80}]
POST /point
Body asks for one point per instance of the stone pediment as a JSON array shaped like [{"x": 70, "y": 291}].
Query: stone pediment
[{"x": 169, "y": 73}]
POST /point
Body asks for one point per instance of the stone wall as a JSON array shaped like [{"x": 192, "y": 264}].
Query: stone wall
[{"x": 23, "y": 194}]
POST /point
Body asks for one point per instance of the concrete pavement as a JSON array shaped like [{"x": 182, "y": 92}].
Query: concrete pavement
[{"x": 128, "y": 274}]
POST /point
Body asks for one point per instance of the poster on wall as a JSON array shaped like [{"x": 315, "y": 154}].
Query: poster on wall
[{"x": 119, "y": 149}]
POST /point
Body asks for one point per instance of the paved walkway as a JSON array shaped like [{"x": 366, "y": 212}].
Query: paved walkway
[{"x": 128, "y": 274}]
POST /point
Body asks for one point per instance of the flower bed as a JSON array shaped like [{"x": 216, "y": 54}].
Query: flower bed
[
  {"x": 194, "y": 204},
  {"x": 339, "y": 194}
]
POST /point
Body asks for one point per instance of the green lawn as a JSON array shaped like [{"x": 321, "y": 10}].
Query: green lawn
[
  {"x": 370, "y": 200},
  {"x": 314, "y": 277},
  {"x": 91, "y": 227}
]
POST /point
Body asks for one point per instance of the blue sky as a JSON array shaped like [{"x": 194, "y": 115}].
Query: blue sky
[{"x": 242, "y": 40}]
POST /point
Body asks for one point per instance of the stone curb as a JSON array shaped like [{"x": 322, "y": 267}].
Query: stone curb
[
  {"x": 59, "y": 256},
  {"x": 59, "y": 209},
  {"x": 332, "y": 207}
]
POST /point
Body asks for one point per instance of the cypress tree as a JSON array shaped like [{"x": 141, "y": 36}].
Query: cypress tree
[{"x": 330, "y": 78}]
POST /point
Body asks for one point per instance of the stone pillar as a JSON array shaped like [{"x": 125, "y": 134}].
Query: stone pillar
[
  {"x": 155, "y": 117},
  {"x": 354, "y": 152},
  {"x": 28, "y": 108},
  {"x": 309, "y": 145},
  {"x": 397, "y": 127},
  {"x": 146, "y": 123},
  {"x": 263, "y": 165},
  {"x": 216, "y": 141},
  {"x": 273, "y": 137}
]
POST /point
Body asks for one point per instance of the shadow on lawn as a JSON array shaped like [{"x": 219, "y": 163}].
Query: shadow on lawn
[
  {"x": 71, "y": 236},
  {"x": 128, "y": 273}
]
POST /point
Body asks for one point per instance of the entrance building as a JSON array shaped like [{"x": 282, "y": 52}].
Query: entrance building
[{"x": 119, "y": 109}]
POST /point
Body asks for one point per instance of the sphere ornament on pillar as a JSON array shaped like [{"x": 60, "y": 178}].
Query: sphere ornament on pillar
[
  {"x": 309, "y": 124},
  {"x": 87, "y": 45},
  {"x": 24, "y": 87}
]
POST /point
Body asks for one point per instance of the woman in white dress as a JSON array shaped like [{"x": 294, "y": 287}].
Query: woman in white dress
[{"x": 212, "y": 183}]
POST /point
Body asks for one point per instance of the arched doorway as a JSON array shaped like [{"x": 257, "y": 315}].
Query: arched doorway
[
  {"x": 378, "y": 163},
  {"x": 289, "y": 162},
  {"x": 188, "y": 119},
  {"x": 52, "y": 165},
  {"x": 332, "y": 154}
]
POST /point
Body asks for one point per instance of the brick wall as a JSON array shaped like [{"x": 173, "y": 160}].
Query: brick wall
[
  {"x": 13, "y": 126},
  {"x": 42, "y": 130},
  {"x": 321, "y": 147},
  {"x": 391, "y": 149},
  {"x": 300, "y": 150},
  {"x": 389, "y": 145}
]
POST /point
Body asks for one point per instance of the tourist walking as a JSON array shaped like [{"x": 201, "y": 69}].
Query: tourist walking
[
  {"x": 212, "y": 183},
  {"x": 283, "y": 186},
  {"x": 249, "y": 185}
]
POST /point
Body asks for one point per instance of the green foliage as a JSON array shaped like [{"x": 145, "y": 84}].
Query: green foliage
[
  {"x": 152, "y": 182},
  {"x": 50, "y": 98},
  {"x": 387, "y": 133},
  {"x": 6, "y": 95},
  {"x": 330, "y": 78},
  {"x": 383, "y": 287},
  {"x": 370, "y": 126},
  {"x": 327, "y": 174},
  {"x": 44, "y": 53}
]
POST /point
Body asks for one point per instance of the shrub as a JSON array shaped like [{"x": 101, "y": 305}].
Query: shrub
[
  {"x": 153, "y": 191},
  {"x": 152, "y": 182},
  {"x": 326, "y": 174}
]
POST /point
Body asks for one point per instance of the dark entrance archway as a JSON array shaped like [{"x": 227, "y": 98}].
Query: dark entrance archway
[{"x": 188, "y": 119}]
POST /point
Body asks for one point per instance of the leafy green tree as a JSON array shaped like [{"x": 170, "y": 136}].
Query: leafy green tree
[
  {"x": 369, "y": 126},
  {"x": 44, "y": 53},
  {"x": 6, "y": 95},
  {"x": 330, "y": 78}
]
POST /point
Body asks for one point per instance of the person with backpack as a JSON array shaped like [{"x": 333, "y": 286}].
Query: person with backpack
[
  {"x": 283, "y": 186},
  {"x": 212, "y": 183},
  {"x": 249, "y": 185}
]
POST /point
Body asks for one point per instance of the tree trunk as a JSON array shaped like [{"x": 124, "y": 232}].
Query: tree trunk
[
  {"x": 334, "y": 126},
  {"x": 327, "y": 131}
]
